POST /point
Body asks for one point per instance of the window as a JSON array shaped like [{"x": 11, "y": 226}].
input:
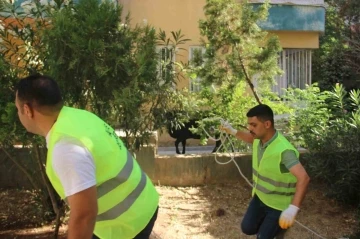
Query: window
[
  {"x": 166, "y": 56},
  {"x": 296, "y": 66},
  {"x": 195, "y": 58}
]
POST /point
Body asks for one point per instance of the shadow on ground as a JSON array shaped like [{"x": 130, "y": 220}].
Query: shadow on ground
[
  {"x": 207, "y": 212},
  {"x": 40, "y": 233},
  {"x": 215, "y": 211}
]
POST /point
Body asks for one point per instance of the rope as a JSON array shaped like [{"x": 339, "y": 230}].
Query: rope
[{"x": 223, "y": 138}]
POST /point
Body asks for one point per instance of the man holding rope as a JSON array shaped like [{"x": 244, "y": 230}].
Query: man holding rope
[{"x": 279, "y": 179}]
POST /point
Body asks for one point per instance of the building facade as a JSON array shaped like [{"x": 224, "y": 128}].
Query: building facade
[{"x": 297, "y": 23}]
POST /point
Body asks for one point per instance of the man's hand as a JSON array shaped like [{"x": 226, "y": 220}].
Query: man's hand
[
  {"x": 228, "y": 128},
  {"x": 287, "y": 217}
]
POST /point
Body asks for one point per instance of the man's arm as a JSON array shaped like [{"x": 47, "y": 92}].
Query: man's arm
[
  {"x": 287, "y": 217},
  {"x": 303, "y": 180},
  {"x": 244, "y": 136},
  {"x": 75, "y": 168},
  {"x": 83, "y": 211}
]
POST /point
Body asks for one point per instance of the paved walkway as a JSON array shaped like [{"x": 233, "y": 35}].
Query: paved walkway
[
  {"x": 194, "y": 150},
  {"x": 189, "y": 150}
]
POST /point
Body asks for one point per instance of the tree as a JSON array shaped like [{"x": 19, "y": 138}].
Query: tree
[
  {"x": 22, "y": 53},
  {"x": 349, "y": 12},
  {"x": 336, "y": 60},
  {"x": 238, "y": 53},
  {"x": 109, "y": 68},
  {"x": 236, "y": 48}
]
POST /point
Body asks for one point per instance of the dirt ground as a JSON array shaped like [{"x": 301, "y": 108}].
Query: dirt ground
[{"x": 207, "y": 212}]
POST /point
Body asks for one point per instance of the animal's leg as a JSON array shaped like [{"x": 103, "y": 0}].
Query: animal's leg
[
  {"x": 184, "y": 145},
  {"x": 232, "y": 148},
  {"x": 177, "y": 141},
  {"x": 217, "y": 145}
]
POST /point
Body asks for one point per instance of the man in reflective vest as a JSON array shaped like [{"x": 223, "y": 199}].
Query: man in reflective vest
[
  {"x": 88, "y": 165},
  {"x": 279, "y": 179}
]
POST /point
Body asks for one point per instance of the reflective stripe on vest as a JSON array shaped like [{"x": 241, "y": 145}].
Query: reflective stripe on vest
[
  {"x": 267, "y": 191},
  {"x": 111, "y": 184},
  {"x": 273, "y": 182}
]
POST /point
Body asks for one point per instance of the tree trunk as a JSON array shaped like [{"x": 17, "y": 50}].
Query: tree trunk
[
  {"x": 248, "y": 80},
  {"x": 58, "y": 220}
]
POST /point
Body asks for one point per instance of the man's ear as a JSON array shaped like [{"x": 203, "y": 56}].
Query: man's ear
[
  {"x": 28, "y": 110},
  {"x": 267, "y": 124}
]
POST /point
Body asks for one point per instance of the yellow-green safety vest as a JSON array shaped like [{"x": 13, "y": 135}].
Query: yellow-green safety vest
[
  {"x": 126, "y": 197},
  {"x": 275, "y": 189}
]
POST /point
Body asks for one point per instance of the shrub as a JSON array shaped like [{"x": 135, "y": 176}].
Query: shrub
[{"x": 329, "y": 127}]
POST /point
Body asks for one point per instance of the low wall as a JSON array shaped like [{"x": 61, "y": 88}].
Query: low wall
[
  {"x": 10, "y": 175},
  {"x": 171, "y": 170},
  {"x": 199, "y": 169},
  {"x": 192, "y": 169},
  {"x": 174, "y": 170}
]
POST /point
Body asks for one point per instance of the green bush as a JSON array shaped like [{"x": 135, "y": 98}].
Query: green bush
[{"x": 329, "y": 127}]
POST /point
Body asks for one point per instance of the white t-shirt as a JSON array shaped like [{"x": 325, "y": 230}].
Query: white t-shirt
[{"x": 73, "y": 164}]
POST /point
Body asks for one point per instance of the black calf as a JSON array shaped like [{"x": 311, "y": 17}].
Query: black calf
[{"x": 182, "y": 133}]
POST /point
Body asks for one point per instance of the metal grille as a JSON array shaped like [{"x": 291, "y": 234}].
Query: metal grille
[
  {"x": 296, "y": 66},
  {"x": 166, "y": 61}
]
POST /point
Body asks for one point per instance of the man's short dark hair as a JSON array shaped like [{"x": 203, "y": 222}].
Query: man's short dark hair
[
  {"x": 39, "y": 91},
  {"x": 262, "y": 112}
]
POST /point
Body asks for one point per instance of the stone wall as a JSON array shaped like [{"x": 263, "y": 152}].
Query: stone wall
[
  {"x": 10, "y": 175},
  {"x": 174, "y": 170},
  {"x": 188, "y": 170},
  {"x": 169, "y": 170}
]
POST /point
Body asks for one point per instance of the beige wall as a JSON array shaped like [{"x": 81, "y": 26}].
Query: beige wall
[
  {"x": 309, "y": 40},
  {"x": 172, "y": 15},
  {"x": 169, "y": 15}
]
